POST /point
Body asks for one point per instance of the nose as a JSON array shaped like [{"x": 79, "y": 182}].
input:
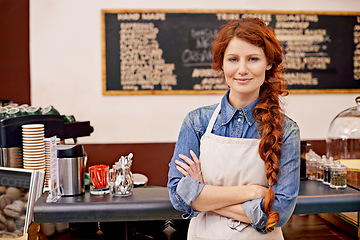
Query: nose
[{"x": 242, "y": 68}]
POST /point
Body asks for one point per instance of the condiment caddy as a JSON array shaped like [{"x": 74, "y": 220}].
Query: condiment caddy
[{"x": 117, "y": 180}]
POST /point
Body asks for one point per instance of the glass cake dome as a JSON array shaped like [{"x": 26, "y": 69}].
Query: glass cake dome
[{"x": 343, "y": 140}]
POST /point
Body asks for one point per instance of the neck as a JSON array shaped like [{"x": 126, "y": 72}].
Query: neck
[{"x": 241, "y": 100}]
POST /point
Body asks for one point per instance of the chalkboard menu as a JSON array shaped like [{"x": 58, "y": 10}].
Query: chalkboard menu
[{"x": 168, "y": 52}]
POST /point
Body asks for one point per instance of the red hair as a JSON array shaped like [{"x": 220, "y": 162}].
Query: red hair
[{"x": 268, "y": 112}]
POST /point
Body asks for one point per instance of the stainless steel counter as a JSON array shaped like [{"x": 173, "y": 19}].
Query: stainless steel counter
[{"x": 154, "y": 204}]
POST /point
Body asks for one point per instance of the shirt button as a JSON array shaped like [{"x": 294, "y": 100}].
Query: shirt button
[{"x": 239, "y": 119}]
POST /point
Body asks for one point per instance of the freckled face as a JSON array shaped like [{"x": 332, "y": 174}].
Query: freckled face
[{"x": 244, "y": 68}]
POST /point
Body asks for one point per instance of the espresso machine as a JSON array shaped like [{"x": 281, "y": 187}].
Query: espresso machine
[{"x": 11, "y": 134}]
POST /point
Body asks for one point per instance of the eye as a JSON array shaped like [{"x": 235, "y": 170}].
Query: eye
[
  {"x": 232, "y": 59},
  {"x": 253, "y": 59}
]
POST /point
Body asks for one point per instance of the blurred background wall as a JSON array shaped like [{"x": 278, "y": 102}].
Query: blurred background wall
[{"x": 50, "y": 54}]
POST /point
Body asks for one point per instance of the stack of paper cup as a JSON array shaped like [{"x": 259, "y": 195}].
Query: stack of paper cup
[
  {"x": 33, "y": 146},
  {"x": 47, "y": 160}
]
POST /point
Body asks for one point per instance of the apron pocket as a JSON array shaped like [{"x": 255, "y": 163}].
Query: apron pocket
[{"x": 237, "y": 225}]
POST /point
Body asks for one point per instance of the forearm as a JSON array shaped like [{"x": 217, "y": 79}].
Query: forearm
[
  {"x": 217, "y": 197},
  {"x": 235, "y": 212}
]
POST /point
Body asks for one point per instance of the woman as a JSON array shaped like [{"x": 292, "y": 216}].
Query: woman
[{"x": 235, "y": 168}]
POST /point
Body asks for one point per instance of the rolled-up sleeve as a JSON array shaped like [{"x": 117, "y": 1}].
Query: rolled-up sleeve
[
  {"x": 287, "y": 188},
  {"x": 184, "y": 190},
  {"x": 188, "y": 189},
  {"x": 253, "y": 210}
]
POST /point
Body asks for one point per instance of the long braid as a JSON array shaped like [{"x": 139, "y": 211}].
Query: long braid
[{"x": 268, "y": 115}]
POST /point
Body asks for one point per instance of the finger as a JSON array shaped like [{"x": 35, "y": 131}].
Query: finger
[
  {"x": 193, "y": 155},
  {"x": 192, "y": 166},
  {"x": 196, "y": 160},
  {"x": 182, "y": 171},
  {"x": 186, "y": 159},
  {"x": 182, "y": 165},
  {"x": 186, "y": 167}
]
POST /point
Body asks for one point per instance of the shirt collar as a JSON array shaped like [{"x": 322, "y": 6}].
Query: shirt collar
[{"x": 228, "y": 111}]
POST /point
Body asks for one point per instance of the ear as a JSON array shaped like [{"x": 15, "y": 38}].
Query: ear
[{"x": 269, "y": 66}]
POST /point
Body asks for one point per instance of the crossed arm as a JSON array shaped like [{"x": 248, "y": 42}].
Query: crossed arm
[{"x": 223, "y": 200}]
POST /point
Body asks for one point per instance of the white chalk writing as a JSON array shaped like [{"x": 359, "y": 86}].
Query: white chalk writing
[
  {"x": 142, "y": 66},
  {"x": 356, "y": 56},
  {"x": 304, "y": 47}
]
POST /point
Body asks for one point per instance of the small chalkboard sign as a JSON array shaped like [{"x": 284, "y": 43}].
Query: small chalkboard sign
[{"x": 168, "y": 51}]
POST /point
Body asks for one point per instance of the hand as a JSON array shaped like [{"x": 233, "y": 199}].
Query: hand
[{"x": 192, "y": 168}]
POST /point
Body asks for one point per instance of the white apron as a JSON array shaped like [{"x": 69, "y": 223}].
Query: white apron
[{"x": 228, "y": 161}]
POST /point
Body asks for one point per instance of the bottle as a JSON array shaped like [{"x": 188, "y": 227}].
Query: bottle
[
  {"x": 320, "y": 169},
  {"x": 327, "y": 171}
]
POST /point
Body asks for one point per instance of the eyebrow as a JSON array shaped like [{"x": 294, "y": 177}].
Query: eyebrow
[{"x": 251, "y": 54}]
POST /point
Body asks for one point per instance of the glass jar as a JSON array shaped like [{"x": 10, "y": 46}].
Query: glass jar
[
  {"x": 338, "y": 176},
  {"x": 124, "y": 182},
  {"x": 111, "y": 176},
  {"x": 343, "y": 140},
  {"x": 99, "y": 183},
  {"x": 312, "y": 169}
]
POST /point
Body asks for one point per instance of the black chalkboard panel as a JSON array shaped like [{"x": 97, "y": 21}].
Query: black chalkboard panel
[{"x": 168, "y": 52}]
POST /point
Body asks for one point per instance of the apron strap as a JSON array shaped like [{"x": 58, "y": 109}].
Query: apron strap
[{"x": 213, "y": 119}]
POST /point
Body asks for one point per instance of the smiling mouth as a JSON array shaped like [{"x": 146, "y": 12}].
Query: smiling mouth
[{"x": 242, "y": 80}]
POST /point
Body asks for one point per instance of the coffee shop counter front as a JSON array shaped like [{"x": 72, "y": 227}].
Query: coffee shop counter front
[{"x": 152, "y": 203}]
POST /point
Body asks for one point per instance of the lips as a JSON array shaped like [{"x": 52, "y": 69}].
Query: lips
[{"x": 242, "y": 80}]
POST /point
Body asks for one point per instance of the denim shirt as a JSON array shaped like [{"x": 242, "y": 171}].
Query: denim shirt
[{"x": 236, "y": 123}]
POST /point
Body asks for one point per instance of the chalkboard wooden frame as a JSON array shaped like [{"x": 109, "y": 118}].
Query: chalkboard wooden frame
[{"x": 107, "y": 49}]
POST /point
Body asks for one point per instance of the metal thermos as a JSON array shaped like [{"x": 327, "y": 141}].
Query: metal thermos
[
  {"x": 71, "y": 169},
  {"x": 11, "y": 157}
]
